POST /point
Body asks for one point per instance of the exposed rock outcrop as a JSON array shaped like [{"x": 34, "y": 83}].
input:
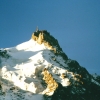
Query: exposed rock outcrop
[
  {"x": 4, "y": 54},
  {"x": 49, "y": 41},
  {"x": 51, "y": 83}
]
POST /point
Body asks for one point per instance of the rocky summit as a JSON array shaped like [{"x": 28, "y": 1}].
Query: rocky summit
[
  {"x": 44, "y": 37},
  {"x": 38, "y": 69}
]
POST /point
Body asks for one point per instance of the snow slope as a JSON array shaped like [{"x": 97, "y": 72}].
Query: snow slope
[{"x": 22, "y": 71}]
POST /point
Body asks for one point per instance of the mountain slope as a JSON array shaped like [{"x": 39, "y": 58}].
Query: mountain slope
[{"x": 38, "y": 69}]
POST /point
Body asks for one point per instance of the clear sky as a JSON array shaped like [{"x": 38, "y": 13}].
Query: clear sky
[{"x": 74, "y": 23}]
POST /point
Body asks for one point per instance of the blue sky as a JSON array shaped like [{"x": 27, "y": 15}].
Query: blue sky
[{"x": 75, "y": 23}]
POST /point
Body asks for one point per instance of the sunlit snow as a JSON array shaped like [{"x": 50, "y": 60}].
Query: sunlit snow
[{"x": 23, "y": 71}]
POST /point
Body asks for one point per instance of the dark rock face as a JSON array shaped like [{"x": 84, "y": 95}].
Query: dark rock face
[
  {"x": 62, "y": 93},
  {"x": 49, "y": 41},
  {"x": 84, "y": 89},
  {"x": 3, "y": 53},
  {"x": 76, "y": 68}
]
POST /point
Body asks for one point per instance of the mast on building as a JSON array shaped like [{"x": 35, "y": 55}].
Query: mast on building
[{"x": 37, "y": 29}]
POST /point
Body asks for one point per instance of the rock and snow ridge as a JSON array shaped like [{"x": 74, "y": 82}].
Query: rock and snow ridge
[{"x": 38, "y": 69}]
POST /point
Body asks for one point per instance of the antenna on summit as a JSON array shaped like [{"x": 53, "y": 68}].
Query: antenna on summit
[{"x": 37, "y": 29}]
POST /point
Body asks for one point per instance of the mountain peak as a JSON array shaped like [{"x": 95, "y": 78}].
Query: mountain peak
[
  {"x": 44, "y": 37},
  {"x": 38, "y": 69}
]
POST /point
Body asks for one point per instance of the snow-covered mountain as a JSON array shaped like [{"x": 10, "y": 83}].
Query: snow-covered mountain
[{"x": 38, "y": 69}]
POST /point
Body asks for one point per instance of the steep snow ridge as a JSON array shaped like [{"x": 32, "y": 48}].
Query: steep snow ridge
[
  {"x": 30, "y": 45},
  {"x": 95, "y": 82}
]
